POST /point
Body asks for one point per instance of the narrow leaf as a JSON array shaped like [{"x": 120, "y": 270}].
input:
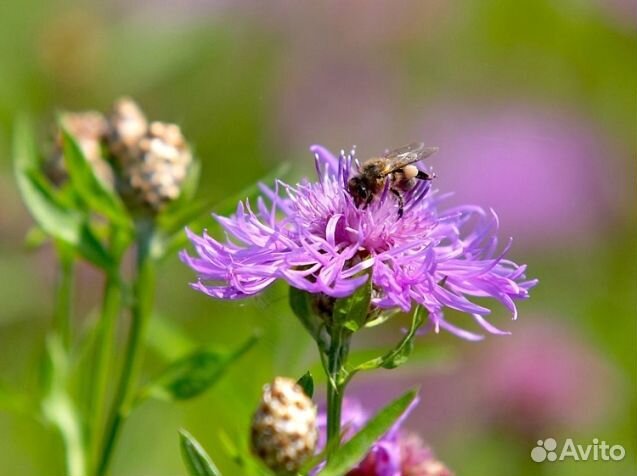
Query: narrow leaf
[
  {"x": 91, "y": 189},
  {"x": 381, "y": 317},
  {"x": 49, "y": 212},
  {"x": 91, "y": 248},
  {"x": 195, "y": 457},
  {"x": 402, "y": 351},
  {"x": 307, "y": 384},
  {"x": 52, "y": 217},
  {"x": 195, "y": 373},
  {"x": 352, "y": 452},
  {"x": 25, "y": 156},
  {"x": 399, "y": 354}
]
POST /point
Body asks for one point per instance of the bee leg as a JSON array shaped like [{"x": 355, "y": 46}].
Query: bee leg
[
  {"x": 423, "y": 175},
  {"x": 401, "y": 201}
]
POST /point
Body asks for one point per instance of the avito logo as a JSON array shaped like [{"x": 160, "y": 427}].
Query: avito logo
[{"x": 547, "y": 450}]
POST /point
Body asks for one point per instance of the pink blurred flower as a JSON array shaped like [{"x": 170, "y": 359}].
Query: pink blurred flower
[
  {"x": 544, "y": 377},
  {"x": 622, "y": 12},
  {"x": 345, "y": 101},
  {"x": 341, "y": 78},
  {"x": 355, "y": 25},
  {"x": 550, "y": 176}
]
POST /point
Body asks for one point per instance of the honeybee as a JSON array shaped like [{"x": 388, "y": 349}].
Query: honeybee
[{"x": 395, "y": 166}]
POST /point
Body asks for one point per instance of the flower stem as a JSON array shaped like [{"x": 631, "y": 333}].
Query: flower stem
[
  {"x": 336, "y": 360},
  {"x": 111, "y": 307},
  {"x": 143, "y": 289},
  {"x": 64, "y": 296}
]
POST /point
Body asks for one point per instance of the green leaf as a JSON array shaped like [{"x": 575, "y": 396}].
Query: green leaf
[
  {"x": 399, "y": 354},
  {"x": 421, "y": 358},
  {"x": 352, "y": 312},
  {"x": 50, "y": 212},
  {"x": 38, "y": 195},
  {"x": 59, "y": 222},
  {"x": 307, "y": 384},
  {"x": 25, "y": 155},
  {"x": 402, "y": 351},
  {"x": 90, "y": 248},
  {"x": 380, "y": 317},
  {"x": 89, "y": 187},
  {"x": 352, "y": 452},
  {"x": 195, "y": 457},
  {"x": 195, "y": 373}
]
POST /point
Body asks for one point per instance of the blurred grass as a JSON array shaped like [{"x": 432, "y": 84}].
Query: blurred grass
[{"x": 219, "y": 73}]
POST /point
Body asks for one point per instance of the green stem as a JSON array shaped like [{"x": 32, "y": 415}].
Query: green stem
[
  {"x": 336, "y": 360},
  {"x": 111, "y": 307},
  {"x": 143, "y": 302},
  {"x": 62, "y": 315}
]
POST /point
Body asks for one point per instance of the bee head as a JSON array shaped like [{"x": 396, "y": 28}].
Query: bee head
[{"x": 358, "y": 189}]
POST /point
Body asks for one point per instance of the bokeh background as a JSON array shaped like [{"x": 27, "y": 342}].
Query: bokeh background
[{"x": 533, "y": 106}]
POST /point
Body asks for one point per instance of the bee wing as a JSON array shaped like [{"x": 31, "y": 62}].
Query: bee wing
[
  {"x": 406, "y": 149},
  {"x": 408, "y": 154}
]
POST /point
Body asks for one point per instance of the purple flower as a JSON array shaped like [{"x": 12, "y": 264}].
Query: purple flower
[
  {"x": 317, "y": 240},
  {"x": 397, "y": 453}
]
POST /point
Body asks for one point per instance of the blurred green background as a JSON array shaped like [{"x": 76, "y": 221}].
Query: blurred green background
[{"x": 533, "y": 105}]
